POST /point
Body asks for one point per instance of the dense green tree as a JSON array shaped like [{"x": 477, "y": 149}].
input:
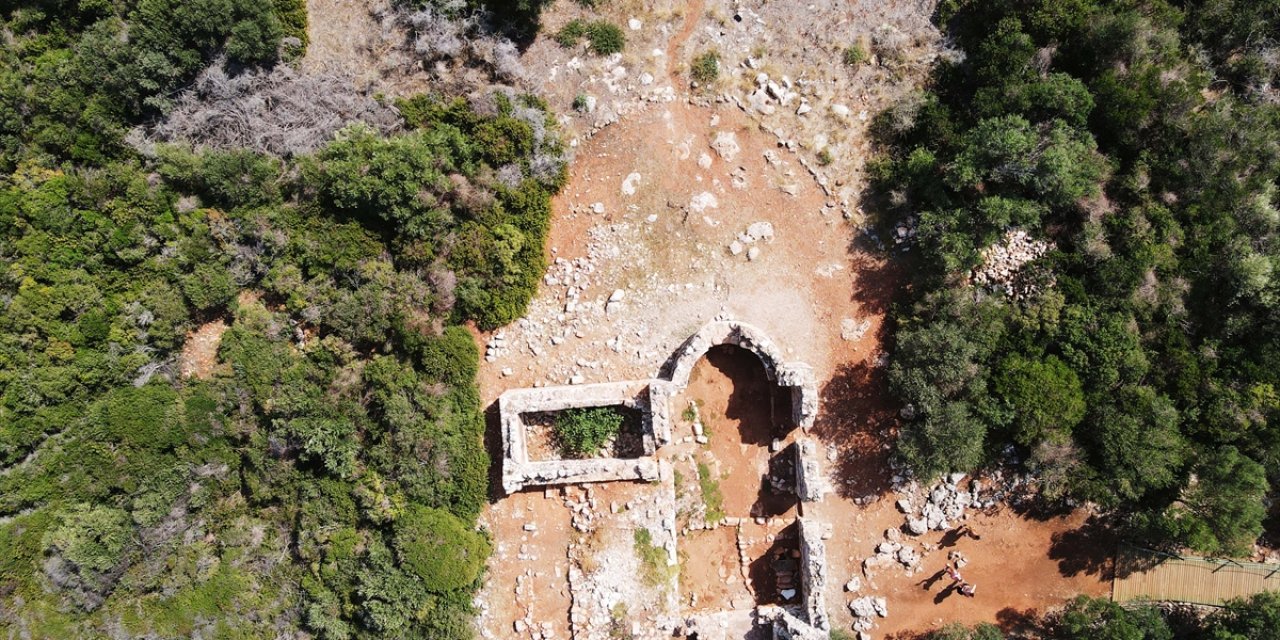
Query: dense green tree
[
  {"x": 1222, "y": 511},
  {"x": 438, "y": 548},
  {"x": 1101, "y": 619},
  {"x": 1135, "y": 444},
  {"x": 1053, "y": 162},
  {"x": 1253, "y": 618},
  {"x": 91, "y": 538},
  {"x": 1107, "y": 129},
  {"x": 152, "y": 487},
  {"x": 1044, "y": 396}
]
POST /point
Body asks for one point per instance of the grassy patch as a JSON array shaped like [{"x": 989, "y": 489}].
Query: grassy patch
[
  {"x": 589, "y": 551},
  {"x": 856, "y": 54},
  {"x": 690, "y": 413},
  {"x": 605, "y": 37},
  {"x": 618, "y": 619},
  {"x": 705, "y": 68},
  {"x": 712, "y": 497},
  {"x": 571, "y": 33},
  {"x": 653, "y": 559}
]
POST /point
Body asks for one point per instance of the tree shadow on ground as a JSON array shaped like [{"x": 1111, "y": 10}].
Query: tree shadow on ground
[
  {"x": 880, "y": 278},
  {"x": 493, "y": 445},
  {"x": 1033, "y": 506},
  {"x": 857, "y": 417},
  {"x": 908, "y": 635},
  {"x": 1089, "y": 549},
  {"x": 752, "y": 400},
  {"x": 1018, "y": 624}
]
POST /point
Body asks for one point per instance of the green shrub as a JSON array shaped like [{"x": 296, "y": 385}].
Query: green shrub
[
  {"x": 209, "y": 287},
  {"x": 571, "y": 33},
  {"x": 1045, "y": 397},
  {"x": 855, "y": 54},
  {"x": 92, "y": 538},
  {"x": 705, "y": 68},
  {"x": 1256, "y": 617},
  {"x": 605, "y": 37},
  {"x": 148, "y": 417},
  {"x": 451, "y": 358},
  {"x": 957, "y": 631},
  {"x": 292, "y": 15},
  {"x": 437, "y": 547},
  {"x": 582, "y": 432}
]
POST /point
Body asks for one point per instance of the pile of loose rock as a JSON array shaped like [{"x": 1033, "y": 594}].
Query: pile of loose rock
[
  {"x": 893, "y": 551},
  {"x": 1003, "y": 262},
  {"x": 904, "y": 233},
  {"x": 496, "y": 347},
  {"x": 583, "y": 505},
  {"x": 937, "y": 509},
  {"x": 943, "y": 505},
  {"x": 757, "y": 231},
  {"x": 865, "y": 610},
  {"x": 769, "y": 93}
]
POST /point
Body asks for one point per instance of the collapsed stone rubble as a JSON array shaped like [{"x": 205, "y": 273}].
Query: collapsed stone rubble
[{"x": 1003, "y": 265}]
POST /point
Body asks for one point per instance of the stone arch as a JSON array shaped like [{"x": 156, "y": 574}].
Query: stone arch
[{"x": 796, "y": 376}]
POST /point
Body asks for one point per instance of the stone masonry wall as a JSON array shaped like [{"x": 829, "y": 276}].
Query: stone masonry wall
[
  {"x": 813, "y": 573},
  {"x": 810, "y": 485},
  {"x": 798, "y": 376},
  {"x": 519, "y": 472}
]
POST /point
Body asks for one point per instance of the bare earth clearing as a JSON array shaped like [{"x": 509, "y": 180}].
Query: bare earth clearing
[{"x": 647, "y": 245}]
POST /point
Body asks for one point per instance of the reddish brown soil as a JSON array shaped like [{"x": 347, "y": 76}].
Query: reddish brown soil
[
  {"x": 1021, "y": 567},
  {"x": 741, "y": 415},
  {"x": 710, "y": 570},
  {"x": 545, "y": 593}
]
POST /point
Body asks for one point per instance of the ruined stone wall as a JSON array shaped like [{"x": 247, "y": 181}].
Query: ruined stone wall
[
  {"x": 813, "y": 573},
  {"x": 653, "y": 398},
  {"x": 553, "y": 472},
  {"x": 797, "y": 376},
  {"x": 810, "y": 485},
  {"x": 519, "y": 472},
  {"x": 786, "y": 626},
  {"x": 661, "y": 394}
]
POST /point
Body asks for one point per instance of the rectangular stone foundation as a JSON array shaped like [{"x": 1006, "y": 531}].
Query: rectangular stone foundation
[{"x": 518, "y": 471}]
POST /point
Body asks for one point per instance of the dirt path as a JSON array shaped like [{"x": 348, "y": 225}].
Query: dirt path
[{"x": 693, "y": 14}]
